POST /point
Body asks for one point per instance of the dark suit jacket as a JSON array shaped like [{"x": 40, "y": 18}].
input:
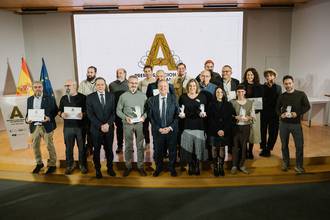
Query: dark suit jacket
[
  {"x": 233, "y": 83},
  {"x": 97, "y": 115},
  {"x": 49, "y": 104},
  {"x": 172, "y": 112},
  {"x": 154, "y": 85}
]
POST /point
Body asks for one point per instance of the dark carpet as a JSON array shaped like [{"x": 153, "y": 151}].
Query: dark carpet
[{"x": 25, "y": 200}]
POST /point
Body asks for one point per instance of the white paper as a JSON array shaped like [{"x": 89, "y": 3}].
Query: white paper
[
  {"x": 257, "y": 103},
  {"x": 72, "y": 112},
  {"x": 36, "y": 115},
  {"x": 231, "y": 95},
  {"x": 155, "y": 92}
]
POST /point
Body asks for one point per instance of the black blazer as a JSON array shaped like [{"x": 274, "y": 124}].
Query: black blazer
[
  {"x": 233, "y": 83},
  {"x": 97, "y": 115},
  {"x": 172, "y": 112},
  {"x": 220, "y": 117},
  {"x": 49, "y": 104},
  {"x": 154, "y": 85}
]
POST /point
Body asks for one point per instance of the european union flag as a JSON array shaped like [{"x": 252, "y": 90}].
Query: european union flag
[{"x": 48, "y": 89}]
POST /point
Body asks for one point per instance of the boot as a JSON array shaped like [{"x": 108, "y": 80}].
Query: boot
[
  {"x": 221, "y": 169},
  {"x": 215, "y": 167},
  {"x": 197, "y": 167}
]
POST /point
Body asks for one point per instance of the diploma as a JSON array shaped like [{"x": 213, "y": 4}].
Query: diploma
[
  {"x": 231, "y": 95},
  {"x": 36, "y": 115},
  {"x": 72, "y": 112},
  {"x": 257, "y": 103}
]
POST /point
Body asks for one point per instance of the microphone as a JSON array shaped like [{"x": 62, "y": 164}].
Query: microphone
[{"x": 67, "y": 92}]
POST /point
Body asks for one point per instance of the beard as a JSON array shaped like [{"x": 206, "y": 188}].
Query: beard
[{"x": 90, "y": 78}]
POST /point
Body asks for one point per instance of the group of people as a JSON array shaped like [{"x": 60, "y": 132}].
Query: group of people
[{"x": 192, "y": 119}]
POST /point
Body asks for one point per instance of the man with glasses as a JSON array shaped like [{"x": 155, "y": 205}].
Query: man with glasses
[{"x": 43, "y": 128}]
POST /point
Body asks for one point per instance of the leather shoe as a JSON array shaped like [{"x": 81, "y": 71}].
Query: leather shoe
[
  {"x": 51, "y": 170},
  {"x": 38, "y": 168},
  {"x": 111, "y": 172},
  {"x": 173, "y": 173},
  {"x": 98, "y": 174},
  {"x": 142, "y": 172},
  {"x": 127, "y": 172},
  {"x": 157, "y": 172}
]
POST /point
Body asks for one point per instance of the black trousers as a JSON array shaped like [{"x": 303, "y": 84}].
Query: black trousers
[
  {"x": 164, "y": 142},
  {"x": 269, "y": 123},
  {"x": 146, "y": 130},
  {"x": 72, "y": 135},
  {"x": 105, "y": 139},
  {"x": 119, "y": 132},
  {"x": 87, "y": 137},
  {"x": 241, "y": 138}
]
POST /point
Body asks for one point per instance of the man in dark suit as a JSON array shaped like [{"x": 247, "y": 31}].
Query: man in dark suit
[
  {"x": 215, "y": 77},
  {"x": 44, "y": 128},
  {"x": 163, "y": 113},
  {"x": 101, "y": 112}
]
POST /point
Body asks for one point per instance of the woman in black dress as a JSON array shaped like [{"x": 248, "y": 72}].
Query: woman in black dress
[
  {"x": 193, "y": 113},
  {"x": 220, "y": 116}
]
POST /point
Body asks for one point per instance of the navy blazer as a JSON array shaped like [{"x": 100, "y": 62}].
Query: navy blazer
[
  {"x": 172, "y": 112},
  {"x": 233, "y": 84},
  {"x": 97, "y": 115},
  {"x": 49, "y": 104},
  {"x": 154, "y": 85}
]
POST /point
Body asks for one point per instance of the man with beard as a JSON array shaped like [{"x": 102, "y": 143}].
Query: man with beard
[
  {"x": 291, "y": 106},
  {"x": 131, "y": 109},
  {"x": 42, "y": 129},
  {"x": 87, "y": 87},
  {"x": 215, "y": 77},
  {"x": 180, "y": 81},
  {"x": 118, "y": 87}
]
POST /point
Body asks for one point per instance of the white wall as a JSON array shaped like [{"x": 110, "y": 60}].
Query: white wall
[
  {"x": 11, "y": 48},
  {"x": 310, "y": 50},
  {"x": 267, "y": 40}
]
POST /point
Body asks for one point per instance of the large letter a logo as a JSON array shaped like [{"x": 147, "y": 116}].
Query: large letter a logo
[{"x": 160, "y": 42}]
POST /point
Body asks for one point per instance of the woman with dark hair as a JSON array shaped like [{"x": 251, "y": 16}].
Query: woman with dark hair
[
  {"x": 192, "y": 112},
  {"x": 220, "y": 121},
  {"x": 251, "y": 82}
]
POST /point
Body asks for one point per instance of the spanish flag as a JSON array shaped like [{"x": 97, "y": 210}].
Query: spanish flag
[{"x": 24, "y": 86}]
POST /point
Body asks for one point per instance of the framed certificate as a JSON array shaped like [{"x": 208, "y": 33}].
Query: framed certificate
[
  {"x": 36, "y": 115},
  {"x": 257, "y": 103},
  {"x": 72, "y": 112}
]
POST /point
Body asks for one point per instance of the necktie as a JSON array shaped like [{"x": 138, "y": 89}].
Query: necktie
[
  {"x": 102, "y": 100},
  {"x": 163, "y": 113}
]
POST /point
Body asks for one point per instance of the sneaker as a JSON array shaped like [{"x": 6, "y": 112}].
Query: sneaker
[
  {"x": 285, "y": 167},
  {"x": 38, "y": 168},
  {"x": 299, "y": 170},
  {"x": 244, "y": 170},
  {"x": 142, "y": 172},
  {"x": 51, "y": 170},
  {"x": 233, "y": 170},
  {"x": 69, "y": 170}
]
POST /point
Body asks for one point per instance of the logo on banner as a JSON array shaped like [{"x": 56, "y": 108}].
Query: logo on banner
[
  {"x": 160, "y": 54},
  {"x": 16, "y": 113}
]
